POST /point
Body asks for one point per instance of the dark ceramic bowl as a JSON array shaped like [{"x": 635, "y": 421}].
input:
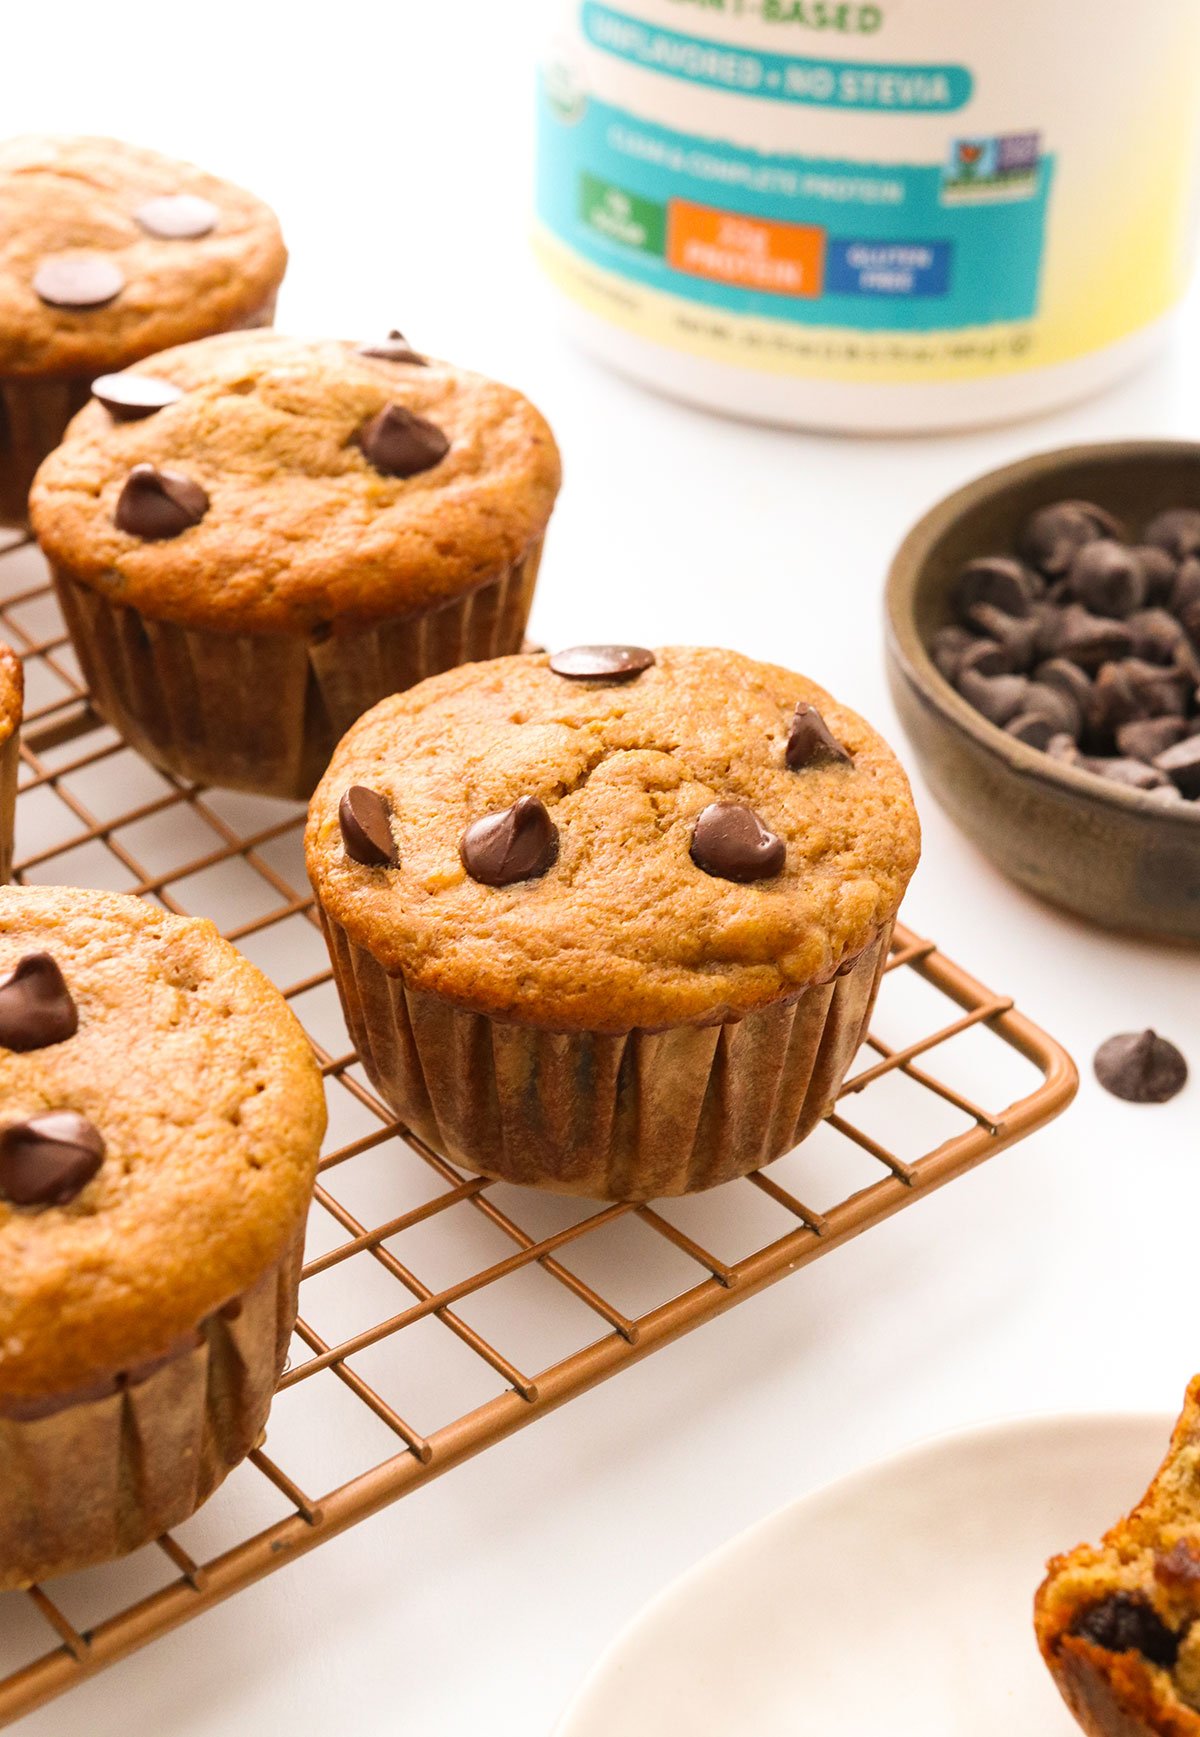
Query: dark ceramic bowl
[{"x": 1093, "y": 847}]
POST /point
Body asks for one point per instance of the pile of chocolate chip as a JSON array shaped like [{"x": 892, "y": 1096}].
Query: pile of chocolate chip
[{"x": 1086, "y": 645}]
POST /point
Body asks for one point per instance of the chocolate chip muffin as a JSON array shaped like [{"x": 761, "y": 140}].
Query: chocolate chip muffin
[
  {"x": 1118, "y": 1623},
  {"x": 12, "y": 690},
  {"x": 107, "y": 253},
  {"x": 303, "y": 529},
  {"x": 611, "y": 922},
  {"x": 160, "y": 1115}
]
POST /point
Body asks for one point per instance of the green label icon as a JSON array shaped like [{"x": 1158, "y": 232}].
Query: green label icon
[{"x": 623, "y": 217}]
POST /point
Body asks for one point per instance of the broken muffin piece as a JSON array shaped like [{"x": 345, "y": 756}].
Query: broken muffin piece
[{"x": 1117, "y": 1623}]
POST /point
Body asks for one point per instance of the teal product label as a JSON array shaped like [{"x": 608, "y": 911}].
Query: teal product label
[
  {"x": 784, "y": 78},
  {"x": 813, "y": 241}
]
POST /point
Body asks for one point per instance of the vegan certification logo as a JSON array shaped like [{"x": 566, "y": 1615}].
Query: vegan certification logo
[{"x": 1001, "y": 167}]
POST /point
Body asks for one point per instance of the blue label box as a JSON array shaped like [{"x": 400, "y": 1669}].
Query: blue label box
[{"x": 888, "y": 268}]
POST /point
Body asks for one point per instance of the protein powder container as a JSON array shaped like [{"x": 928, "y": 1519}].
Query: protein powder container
[{"x": 901, "y": 216}]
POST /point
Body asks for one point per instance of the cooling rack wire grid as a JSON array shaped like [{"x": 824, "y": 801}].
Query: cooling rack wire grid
[{"x": 441, "y": 1312}]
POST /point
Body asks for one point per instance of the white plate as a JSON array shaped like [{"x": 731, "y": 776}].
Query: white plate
[{"x": 894, "y": 1603}]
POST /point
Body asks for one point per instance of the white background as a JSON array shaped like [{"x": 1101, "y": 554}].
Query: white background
[{"x": 396, "y": 145}]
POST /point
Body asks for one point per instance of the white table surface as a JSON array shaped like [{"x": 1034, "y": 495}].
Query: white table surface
[{"x": 396, "y": 143}]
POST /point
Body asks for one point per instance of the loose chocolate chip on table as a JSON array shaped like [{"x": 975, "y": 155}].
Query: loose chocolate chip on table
[
  {"x": 1140, "y": 1067},
  {"x": 394, "y": 348},
  {"x": 159, "y": 503},
  {"x": 36, "y": 1008},
  {"x": 178, "y": 217},
  {"x": 731, "y": 842},
  {"x": 1050, "y": 539},
  {"x": 400, "y": 443},
  {"x": 613, "y": 663},
  {"x": 47, "y": 1160},
  {"x": 78, "y": 280},
  {"x": 1107, "y": 579},
  {"x": 1000, "y": 581},
  {"x": 518, "y": 844},
  {"x": 810, "y": 742},
  {"x": 1143, "y": 738},
  {"x": 1177, "y": 531},
  {"x": 1181, "y": 764},
  {"x": 130, "y": 397},
  {"x": 366, "y": 827},
  {"x": 1125, "y": 1623}
]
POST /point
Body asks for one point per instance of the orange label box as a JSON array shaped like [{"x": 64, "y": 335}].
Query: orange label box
[{"x": 784, "y": 258}]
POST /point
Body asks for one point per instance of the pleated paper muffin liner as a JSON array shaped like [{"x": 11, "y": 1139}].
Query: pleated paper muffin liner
[
  {"x": 11, "y": 689},
  {"x": 34, "y": 413},
  {"x": 9, "y": 764},
  {"x": 264, "y": 712},
  {"x": 627, "y": 1116},
  {"x": 9, "y": 761},
  {"x": 93, "y": 1476}
]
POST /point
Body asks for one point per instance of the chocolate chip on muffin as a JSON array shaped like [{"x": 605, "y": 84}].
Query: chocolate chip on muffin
[
  {"x": 130, "y": 397},
  {"x": 609, "y": 663},
  {"x": 36, "y": 1007},
  {"x": 400, "y": 443},
  {"x": 730, "y": 840},
  {"x": 155, "y": 504},
  {"x": 394, "y": 348},
  {"x": 366, "y": 828},
  {"x": 517, "y": 844},
  {"x": 49, "y": 1159}
]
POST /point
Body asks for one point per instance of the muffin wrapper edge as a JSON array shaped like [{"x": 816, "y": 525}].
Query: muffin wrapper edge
[
  {"x": 264, "y": 712},
  {"x": 10, "y": 757},
  {"x": 100, "y": 1475},
  {"x": 625, "y": 1116},
  {"x": 34, "y": 413}
]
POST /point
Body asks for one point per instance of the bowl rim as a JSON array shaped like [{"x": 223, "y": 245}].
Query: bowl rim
[{"x": 908, "y": 648}]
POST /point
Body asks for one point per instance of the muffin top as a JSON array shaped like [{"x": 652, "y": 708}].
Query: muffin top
[
  {"x": 12, "y": 691},
  {"x": 205, "y": 1111},
  {"x": 335, "y": 487},
  {"x": 696, "y": 835},
  {"x": 108, "y": 252}
]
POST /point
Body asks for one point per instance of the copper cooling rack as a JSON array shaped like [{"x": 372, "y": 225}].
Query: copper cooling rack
[{"x": 441, "y": 1312}]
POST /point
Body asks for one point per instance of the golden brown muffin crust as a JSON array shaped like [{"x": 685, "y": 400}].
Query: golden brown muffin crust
[
  {"x": 78, "y": 195},
  {"x": 12, "y": 691},
  {"x": 301, "y": 529},
  {"x": 208, "y": 1097},
  {"x": 624, "y": 929}
]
